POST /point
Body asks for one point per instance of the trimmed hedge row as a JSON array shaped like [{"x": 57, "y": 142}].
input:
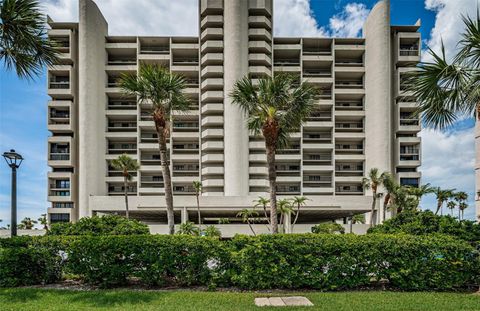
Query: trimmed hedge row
[{"x": 316, "y": 261}]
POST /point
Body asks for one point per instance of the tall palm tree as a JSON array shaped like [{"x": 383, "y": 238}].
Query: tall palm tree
[
  {"x": 126, "y": 165},
  {"x": 263, "y": 202},
  {"x": 163, "y": 90},
  {"x": 284, "y": 207},
  {"x": 451, "y": 205},
  {"x": 275, "y": 108},
  {"x": 419, "y": 192},
  {"x": 373, "y": 181},
  {"x": 460, "y": 197},
  {"x": 462, "y": 206},
  {"x": 246, "y": 215},
  {"x": 390, "y": 186},
  {"x": 299, "y": 202},
  {"x": 24, "y": 46},
  {"x": 197, "y": 185},
  {"x": 442, "y": 195}
]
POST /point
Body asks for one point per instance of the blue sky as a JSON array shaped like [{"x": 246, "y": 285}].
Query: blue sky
[{"x": 447, "y": 157}]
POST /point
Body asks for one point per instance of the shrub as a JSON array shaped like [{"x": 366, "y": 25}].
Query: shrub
[
  {"x": 426, "y": 222},
  {"x": 28, "y": 265},
  {"x": 333, "y": 262},
  {"x": 100, "y": 225},
  {"x": 156, "y": 260},
  {"x": 328, "y": 228}
]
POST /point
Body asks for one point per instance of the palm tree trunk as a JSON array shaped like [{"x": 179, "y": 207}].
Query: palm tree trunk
[
  {"x": 373, "y": 207},
  {"x": 167, "y": 181},
  {"x": 125, "y": 186},
  {"x": 266, "y": 217},
  {"x": 198, "y": 212},
  {"x": 385, "y": 204},
  {"x": 462, "y": 214},
  {"x": 251, "y": 228},
  {"x": 281, "y": 222},
  {"x": 351, "y": 224},
  {"x": 296, "y": 217},
  {"x": 272, "y": 178},
  {"x": 439, "y": 206},
  {"x": 459, "y": 213}
]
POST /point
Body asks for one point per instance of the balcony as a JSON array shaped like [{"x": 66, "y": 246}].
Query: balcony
[
  {"x": 288, "y": 189},
  {"x": 352, "y": 189},
  {"x": 317, "y": 138},
  {"x": 183, "y": 189},
  {"x": 324, "y": 73},
  {"x": 119, "y": 189},
  {"x": 122, "y": 105},
  {"x": 349, "y": 169},
  {"x": 154, "y": 49},
  {"x": 121, "y": 148},
  {"x": 185, "y": 126},
  {"x": 352, "y": 84},
  {"x": 317, "y": 159},
  {"x": 348, "y": 126},
  {"x": 59, "y": 83},
  {"x": 191, "y": 148},
  {"x": 119, "y": 126},
  {"x": 348, "y": 148},
  {"x": 348, "y": 105}
]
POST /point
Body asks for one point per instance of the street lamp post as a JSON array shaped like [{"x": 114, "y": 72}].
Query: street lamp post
[{"x": 13, "y": 160}]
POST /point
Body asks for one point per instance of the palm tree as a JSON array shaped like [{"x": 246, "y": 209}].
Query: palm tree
[
  {"x": 24, "y": 46},
  {"x": 246, "y": 214},
  {"x": 390, "y": 186},
  {"x": 462, "y": 206},
  {"x": 189, "y": 228},
  {"x": 197, "y": 185},
  {"x": 460, "y": 197},
  {"x": 284, "y": 207},
  {"x": 263, "y": 202},
  {"x": 43, "y": 221},
  {"x": 419, "y": 192},
  {"x": 373, "y": 181},
  {"x": 275, "y": 108},
  {"x": 163, "y": 90},
  {"x": 27, "y": 223},
  {"x": 299, "y": 202},
  {"x": 442, "y": 197},
  {"x": 126, "y": 165},
  {"x": 451, "y": 205}
]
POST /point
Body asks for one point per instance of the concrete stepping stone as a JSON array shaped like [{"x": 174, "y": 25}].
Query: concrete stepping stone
[{"x": 283, "y": 301}]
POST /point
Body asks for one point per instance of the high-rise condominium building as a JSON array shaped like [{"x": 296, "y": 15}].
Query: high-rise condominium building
[{"x": 362, "y": 118}]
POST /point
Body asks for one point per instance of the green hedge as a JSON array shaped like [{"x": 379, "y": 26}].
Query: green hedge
[{"x": 308, "y": 261}]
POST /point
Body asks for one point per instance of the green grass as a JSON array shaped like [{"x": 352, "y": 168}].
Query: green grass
[{"x": 40, "y": 299}]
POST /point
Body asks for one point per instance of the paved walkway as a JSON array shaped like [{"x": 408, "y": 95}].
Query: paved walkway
[{"x": 283, "y": 301}]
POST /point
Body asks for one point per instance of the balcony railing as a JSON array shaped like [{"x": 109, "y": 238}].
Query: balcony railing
[
  {"x": 349, "y": 84},
  {"x": 59, "y": 84},
  {"x": 409, "y": 122},
  {"x": 286, "y": 62},
  {"x": 122, "y": 127},
  {"x": 122, "y": 62},
  {"x": 60, "y": 156},
  {"x": 316, "y": 51},
  {"x": 154, "y": 50},
  {"x": 348, "y": 63},
  {"x": 185, "y": 61},
  {"x": 348, "y": 105},
  {"x": 125, "y": 105},
  {"x": 317, "y": 73}
]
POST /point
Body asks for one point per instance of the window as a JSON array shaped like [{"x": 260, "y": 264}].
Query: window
[
  {"x": 63, "y": 205},
  {"x": 59, "y": 218},
  {"x": 409, "y": 182}
]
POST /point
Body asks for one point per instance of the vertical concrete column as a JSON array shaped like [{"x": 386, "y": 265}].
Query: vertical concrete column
[
  {"x": 378, "y": 98},
  {"x": 288, "y": 223},
  {"x": 184, "y": 215},
  {"x": 92, "y": 31},
  {"x": 235, "y": 67}
]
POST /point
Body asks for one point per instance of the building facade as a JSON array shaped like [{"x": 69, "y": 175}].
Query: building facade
[{"x": 362, "y": 119}]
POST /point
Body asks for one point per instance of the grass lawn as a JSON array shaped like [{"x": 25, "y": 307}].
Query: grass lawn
[{"x": 41, "y": 299}]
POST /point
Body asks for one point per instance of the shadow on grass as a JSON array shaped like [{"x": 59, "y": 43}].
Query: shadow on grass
[{"x": 97, "y": 298}]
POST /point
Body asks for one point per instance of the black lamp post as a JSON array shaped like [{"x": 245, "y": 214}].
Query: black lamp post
[{"x": 13, "y": 160}]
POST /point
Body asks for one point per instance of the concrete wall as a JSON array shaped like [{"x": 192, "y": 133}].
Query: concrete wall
[
  {"x": 235, "y": 67},
  {"x": 378, "y": 141},
  {"x": 91, "y": 103}
]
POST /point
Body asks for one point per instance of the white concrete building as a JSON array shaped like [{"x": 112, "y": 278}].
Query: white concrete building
[{"x": 362, "y": 120}]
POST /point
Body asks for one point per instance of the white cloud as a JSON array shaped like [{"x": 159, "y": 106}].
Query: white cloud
[
  {"x": 448, "y": 23},
  {"x": 448, "y": 162},
  {"x": 349, "y": 22},
  {"x": 179, "y": 17}
]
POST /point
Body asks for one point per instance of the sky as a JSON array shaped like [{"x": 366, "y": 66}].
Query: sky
[{"x": 447, "y": 157}]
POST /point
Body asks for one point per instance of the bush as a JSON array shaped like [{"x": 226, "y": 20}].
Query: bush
[
  {"x": 28, "y": 265},
  {"x": 100, "y": 225},
  {"x": 333, "y": 262},
  {"x": 426, "y": 222},
  {"x": 307, "y": 261},
  {"x": 328, "y": 228},
  {"x": 156, "y": 260}
]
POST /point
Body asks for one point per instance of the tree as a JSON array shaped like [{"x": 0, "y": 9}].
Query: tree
[
  {"x": 328, "y": 228},
  {"x": 419, "y": 192},
  {"x": 299, "y": 202},
  {"x": 451, "y": 205},
  {"x": 189, "y": 228},
  {"x": 246, "y": 215},
  {"x": 275, "y": 108},
  {"x": 43, "y": 221},
  {"x": 163, "y": 90},
  {"x": 373, "y": 181},
  {"x": 197, "y": 185},
  {"x": 442, "y": 197},
  {"x": 285, "y": 207},
  {"x": 27, "y": 223},
  {"x": 461, "y": 197},
  {"x": 126, "y": 165},
  {"x": 390, "y": 186},
  {"x": 263, "y": 202},
  {"x": 24, "y": 46}
]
